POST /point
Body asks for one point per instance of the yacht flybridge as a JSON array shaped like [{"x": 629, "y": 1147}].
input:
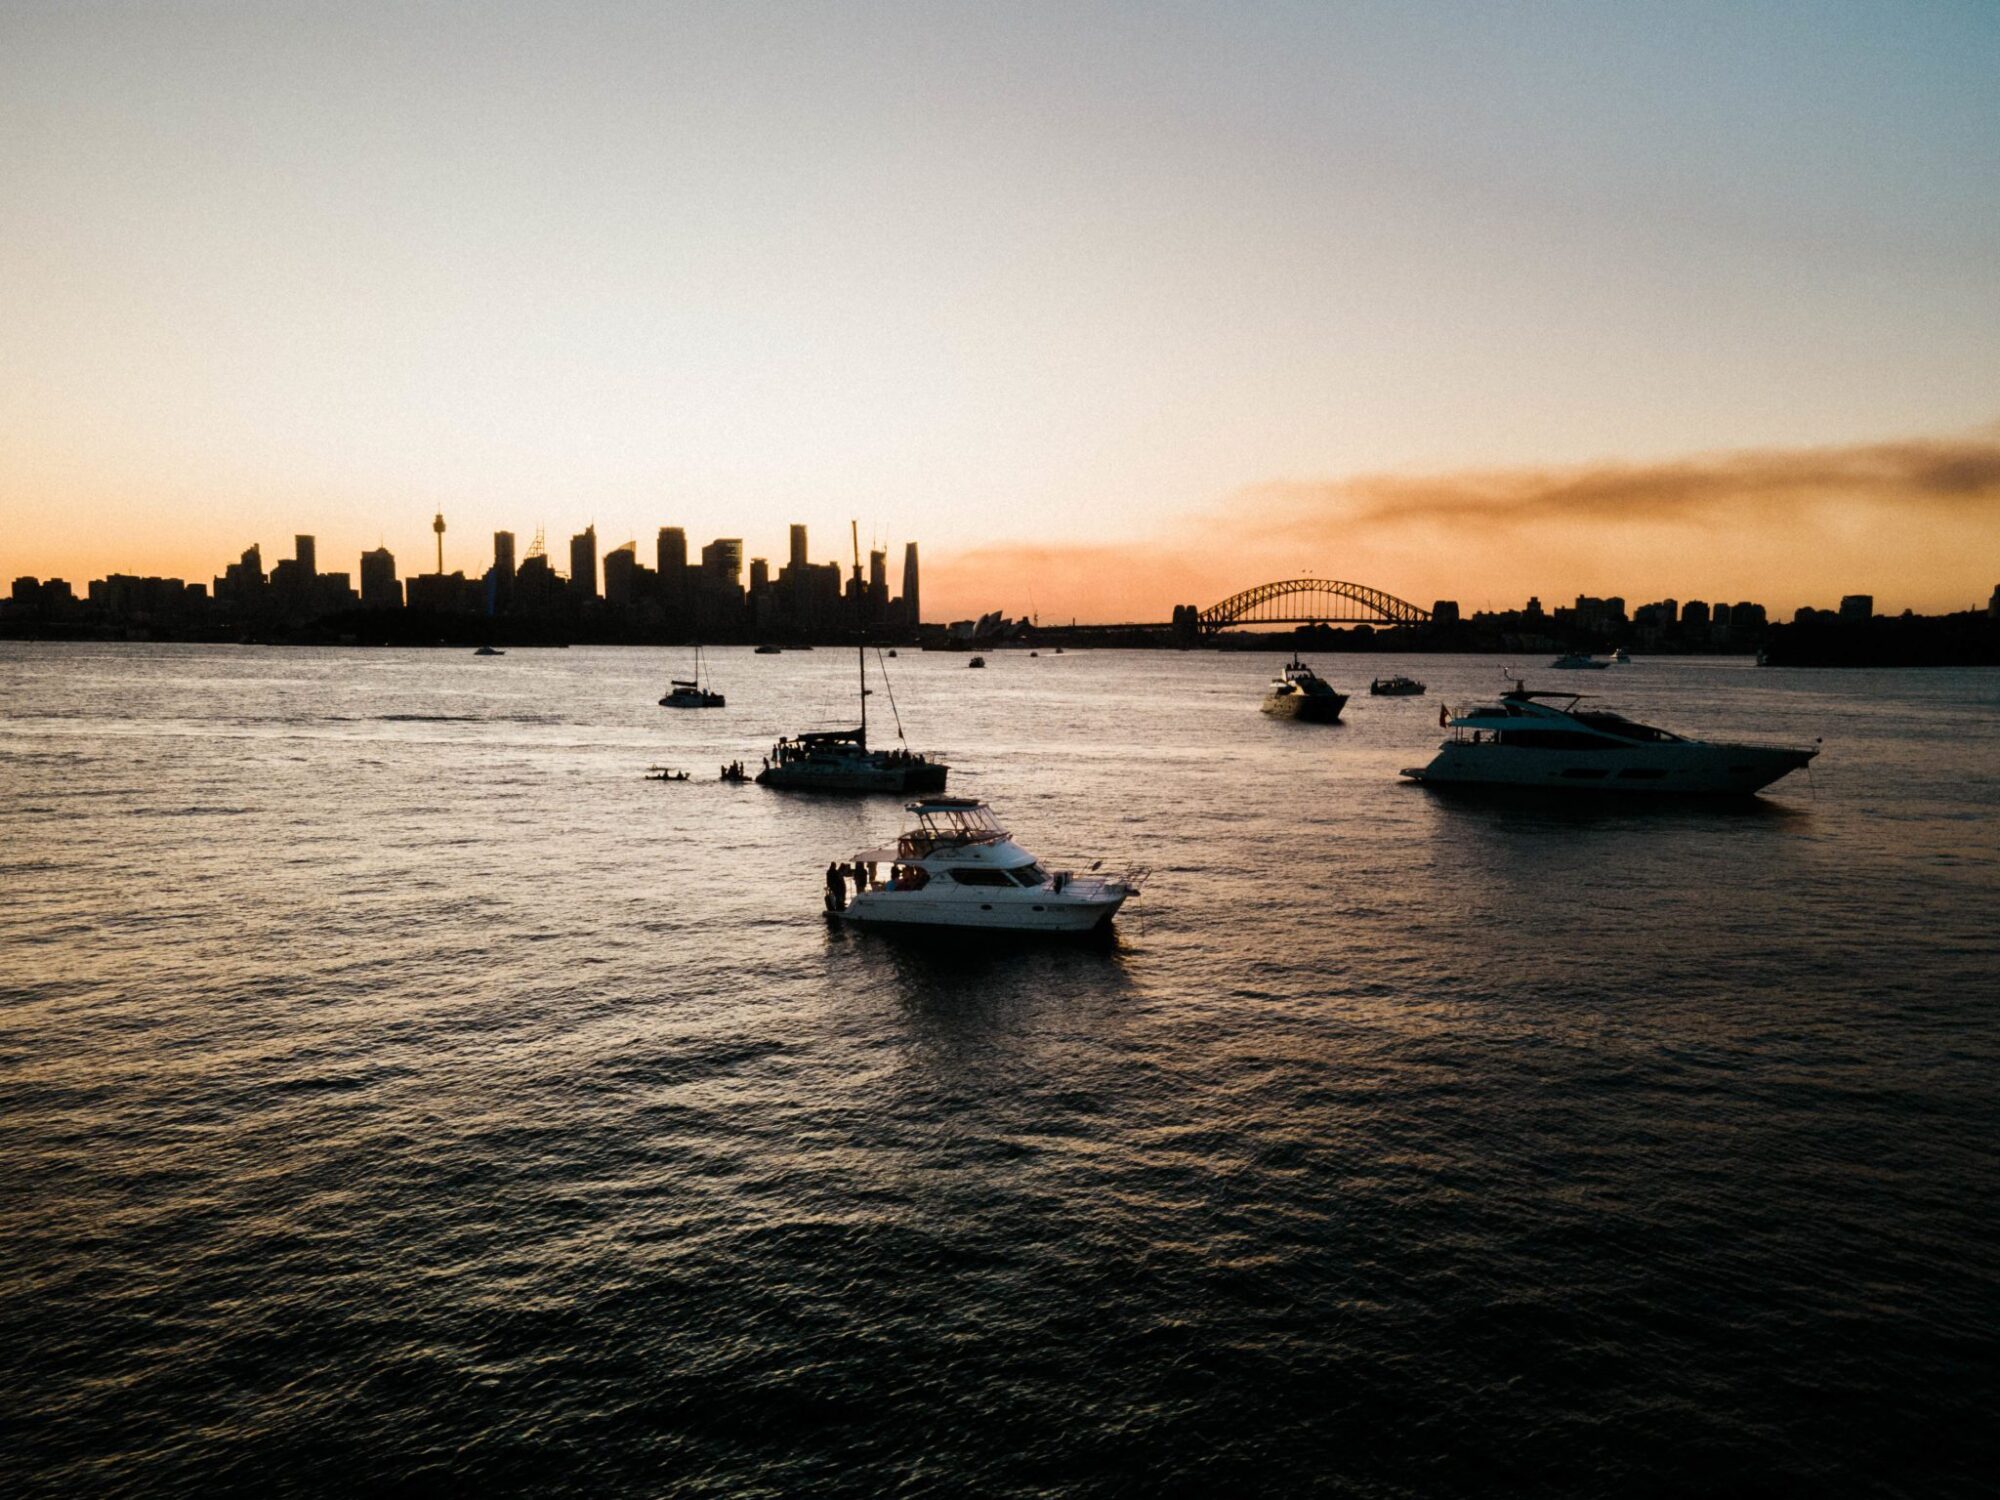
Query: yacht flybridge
[
  {"x": 959, "y": 868},
  {"x": 839, "y": 760},
  {"x": 1544, "y": 740}
]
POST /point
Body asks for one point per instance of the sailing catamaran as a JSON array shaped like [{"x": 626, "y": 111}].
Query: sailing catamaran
[
  {"x": 839, "y": 760},
  {"x": 684, "y": 694}
]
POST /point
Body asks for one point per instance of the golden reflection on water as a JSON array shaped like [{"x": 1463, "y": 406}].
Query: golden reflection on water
[{"x": 381, "y": 1052}]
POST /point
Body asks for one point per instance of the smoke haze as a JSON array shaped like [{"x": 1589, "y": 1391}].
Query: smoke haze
[{"x": 1915, "y": 522}]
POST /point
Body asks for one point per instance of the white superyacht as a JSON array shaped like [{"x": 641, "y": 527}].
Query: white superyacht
[
  {"x": 1545, "y": 741},
  {"x": 959, "y": 868}
]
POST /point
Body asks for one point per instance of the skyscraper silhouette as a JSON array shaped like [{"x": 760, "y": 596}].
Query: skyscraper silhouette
[
  {"x": 672, "y": 560},
  {"x": 379, "y": 588},
  {"x": 583, "y": 562},
  {"x": 502, "y": 587}
]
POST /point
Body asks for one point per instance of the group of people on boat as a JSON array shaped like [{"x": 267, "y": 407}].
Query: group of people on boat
[
  {"x": 901, "y": 878},
  {"x": 734, "y": 771}
]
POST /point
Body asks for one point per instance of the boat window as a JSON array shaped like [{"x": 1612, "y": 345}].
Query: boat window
[
  {"x": 1619, "y": 724},
  {"x": 1555, "y": 739},
  {"x": 1031, "y": 876},
  {"x": 981, "y": 877}
]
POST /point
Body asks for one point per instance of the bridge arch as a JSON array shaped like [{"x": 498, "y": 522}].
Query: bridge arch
[{"x": 1312, "y": 601}]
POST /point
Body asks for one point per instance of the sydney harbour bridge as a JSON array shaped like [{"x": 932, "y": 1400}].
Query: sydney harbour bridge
[{"x": 1301, "y": 601}]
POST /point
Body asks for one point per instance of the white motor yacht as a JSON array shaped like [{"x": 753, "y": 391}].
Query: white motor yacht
[
  {"x": 1544, "y": 740},
  {"x": 959, "y": 868}
]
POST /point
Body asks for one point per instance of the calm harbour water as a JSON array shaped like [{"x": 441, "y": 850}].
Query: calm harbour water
[{"x": 397, "y": 1091}]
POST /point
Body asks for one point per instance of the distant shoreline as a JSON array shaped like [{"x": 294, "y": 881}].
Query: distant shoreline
[{"x": 1936, "y": 641}]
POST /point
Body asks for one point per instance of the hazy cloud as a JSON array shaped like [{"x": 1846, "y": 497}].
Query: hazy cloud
[
  {"x": 1941, "y": 474},
  {"x": 1915, "y": 520}
]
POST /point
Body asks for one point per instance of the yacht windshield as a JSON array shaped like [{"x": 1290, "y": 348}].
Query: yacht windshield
[
  {"x": 1619, "y": 724},
  {"x": 960, "y": 825}
]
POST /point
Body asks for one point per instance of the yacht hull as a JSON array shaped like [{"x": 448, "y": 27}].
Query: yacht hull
[
  {"x": 1306, "y": 709},
  {"x": 911, "y": 909},
  {"x": 855, "y": 778},
  {"x": 1686, "y": 768}
]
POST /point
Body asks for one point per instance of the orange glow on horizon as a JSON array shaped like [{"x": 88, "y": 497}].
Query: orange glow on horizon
[{"x": 1916, "y": 523}]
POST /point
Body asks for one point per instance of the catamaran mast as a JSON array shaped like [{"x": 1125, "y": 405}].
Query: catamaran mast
[{"x": 861, "y": 636}]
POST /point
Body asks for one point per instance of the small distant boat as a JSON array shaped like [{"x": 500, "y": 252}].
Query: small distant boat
[
  {"x": 488, "y": 651},
  {"x": 665, "y": 773},
  {"x": 892, "y": 650},
  {"x": 685, "y": 694},
  {"x": 977, "y": 661},
  {"x": 1621, "y": 657},
  {"x": 1301, "y": 693},
  {"x": 734, "y": 772},
  {"x": 1396, "y": 687},
  {"x": 768, "y": 651},
  {"x": 1576, "y": 661},
  {"x": 959, "y": 868}
]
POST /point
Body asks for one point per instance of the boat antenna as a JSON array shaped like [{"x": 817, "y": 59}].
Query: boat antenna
[{"x": 860, "y": 633}]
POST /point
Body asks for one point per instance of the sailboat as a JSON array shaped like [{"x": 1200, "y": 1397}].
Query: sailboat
[
  {"x": 685, "y": 694},
  {"x": 839, "y": 760}
]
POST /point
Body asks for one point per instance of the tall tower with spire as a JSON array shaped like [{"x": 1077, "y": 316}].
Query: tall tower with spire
[{"x": 437, "y": 525}]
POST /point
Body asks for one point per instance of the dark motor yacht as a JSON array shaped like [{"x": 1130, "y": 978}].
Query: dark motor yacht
[
  {"x": 1301, "y": 693},
  {"x": 1546, "y": 741}
]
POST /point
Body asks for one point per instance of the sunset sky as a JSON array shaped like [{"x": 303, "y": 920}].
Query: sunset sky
[{"x": 1110, "y": 306}]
